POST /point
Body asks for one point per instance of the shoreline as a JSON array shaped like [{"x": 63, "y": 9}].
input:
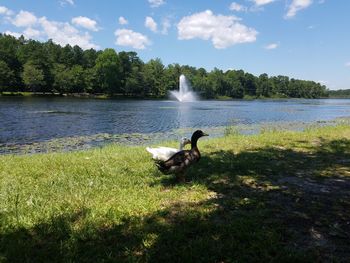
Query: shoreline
[
  {"x": 100, "y": 140},
  {"x": 126, "y": 97}
]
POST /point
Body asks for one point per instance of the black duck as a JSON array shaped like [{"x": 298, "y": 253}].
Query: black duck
[{"x": 179, "y": 162}]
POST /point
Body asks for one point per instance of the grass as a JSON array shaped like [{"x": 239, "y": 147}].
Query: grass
[
  {"x": 77, "y": 95},
  {"x": 223, "y": 98},
  {"x": 17, "y": 93},
  {"x": 273, "y": 197}
]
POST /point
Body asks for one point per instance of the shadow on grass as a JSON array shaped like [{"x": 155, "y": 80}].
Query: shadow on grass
[{"x": 267, "y": 205}]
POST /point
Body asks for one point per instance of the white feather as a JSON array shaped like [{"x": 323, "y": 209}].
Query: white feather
[{"x": 162, "y": 153}]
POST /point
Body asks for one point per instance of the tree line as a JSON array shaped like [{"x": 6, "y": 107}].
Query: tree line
[
  {"x": 340, "y": 93},
  {"x": 29, "y": 65}
]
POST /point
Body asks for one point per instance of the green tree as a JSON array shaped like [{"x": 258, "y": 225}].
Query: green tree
[
  {"x": 108, "y": 71},
  {"x": 235, "y": 89},
  {"x": 217, "y": 82},
  {"x": 62, "y": 82},
  {"x": 154, "y": 76},
  {"x": 249, "y": 83},
  {"x": 8, "y": 53},
  {"x": 67, "y": 56},
  {"x": 134, "y": 82},
  {"x": 171, "y": 76},
  {"x": 199, "y": 80},
  {"x": 280, "y": 85},
  {"x": 131, "y": 67},
  {"x": 91, "y": 82},
  {"x": 204, "y": 86},
  {"x": 35, "y": 52},
  {"x": 33, "y": 76},
  {"x": 78, "y": 55},
  {"x": 62, "y": 79},
  {"x": 89, "y": 58},
  {"x": 53, "y": 51},
  {"x": 264, "y": 87},
  {"x": 51, "y": 67},
  {"x": 6, "y": 77},
  {"x": 77, "y": 76}
]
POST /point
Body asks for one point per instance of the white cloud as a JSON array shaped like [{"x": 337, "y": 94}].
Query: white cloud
[
  {"x": 64, "y": 33},
  {"x": 24, "y": 19},
  {"x": 237, "y": 7},
  {"x": 156, "y": 3},
  {"x": 32, "y": 33},
  {"x": 223, "y": 31},
  {"x": 262, "y": 2},
  {"x": 129, "y": 38},
  {"x": 85, "y": 22},
  {"x": 122, "y": 21},
  {"x": 165, "y": 26},
  {"x": 15, "y": 34},
  {"x": 151, "y": 24},
  {"x": 296, "y": 6},
  {"x": 271, "y": 46},
  {"x": 5, "y": 11},
  {"x": 347, "y": 64},
  {"x": 64, "y": 2},
  {"x": 323, "y": 82}
]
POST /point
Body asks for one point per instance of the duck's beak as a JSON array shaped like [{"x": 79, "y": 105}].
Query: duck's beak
[{"x": 205, "y": 134}]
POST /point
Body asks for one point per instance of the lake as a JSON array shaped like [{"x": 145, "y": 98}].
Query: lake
[{"x": 43, "y": 124}]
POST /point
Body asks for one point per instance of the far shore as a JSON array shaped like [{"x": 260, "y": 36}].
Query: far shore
[{"x": 123, "y": 96}]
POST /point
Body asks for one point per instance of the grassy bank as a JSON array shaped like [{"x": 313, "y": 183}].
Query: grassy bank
[
  {"x": 274, "y": 197},
  {"x": 17, "y": 94},
  {"x": 49, "y": 94},
  {"x": 78, "y": 95},
  {"x": 127, "y": 97}
]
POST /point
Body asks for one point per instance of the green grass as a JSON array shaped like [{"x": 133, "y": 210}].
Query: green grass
[
  {"x": 76, "y": 95},
  {"x": 17, "y": 93},
  {"x": 223, "y": 98},
  {"x": 273, "y": 197}
]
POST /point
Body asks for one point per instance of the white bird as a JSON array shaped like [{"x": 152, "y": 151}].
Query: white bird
[{"x": 162, "y": 153}]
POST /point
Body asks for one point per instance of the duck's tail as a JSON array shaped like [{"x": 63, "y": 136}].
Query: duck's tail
[
  {"x": 161, "y": 166},
  {"x": 152, "y": 151}
]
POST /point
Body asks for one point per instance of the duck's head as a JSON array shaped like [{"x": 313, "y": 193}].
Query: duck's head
[
  {"x": 185, "y": 141},
  {"x": 197, "y": 134}
]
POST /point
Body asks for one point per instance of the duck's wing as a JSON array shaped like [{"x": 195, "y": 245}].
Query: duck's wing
[
  {"x": 162, "y": 153},
  {"x": 180, "y": 158},
  {"x": 175, "y": 164}
]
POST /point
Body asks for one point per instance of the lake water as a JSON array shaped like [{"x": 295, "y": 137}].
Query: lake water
[{"x": 30, "y": 121}]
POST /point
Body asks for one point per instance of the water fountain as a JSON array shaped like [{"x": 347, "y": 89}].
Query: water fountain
[{"x": 185, "y": 94}]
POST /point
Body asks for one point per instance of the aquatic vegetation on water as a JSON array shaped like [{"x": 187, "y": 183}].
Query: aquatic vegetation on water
[{"x": 99, "y": 140}]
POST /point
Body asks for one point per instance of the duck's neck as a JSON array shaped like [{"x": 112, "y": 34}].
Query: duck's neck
[
  {"x": 181, "y": 146},
  {"x": 194, "y": 143}
]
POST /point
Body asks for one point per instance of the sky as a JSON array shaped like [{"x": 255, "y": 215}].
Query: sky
[{"x": 304, "y": 39}]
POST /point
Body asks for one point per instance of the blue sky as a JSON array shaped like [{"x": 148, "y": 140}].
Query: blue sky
[{"x": 306, "y": 39}]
